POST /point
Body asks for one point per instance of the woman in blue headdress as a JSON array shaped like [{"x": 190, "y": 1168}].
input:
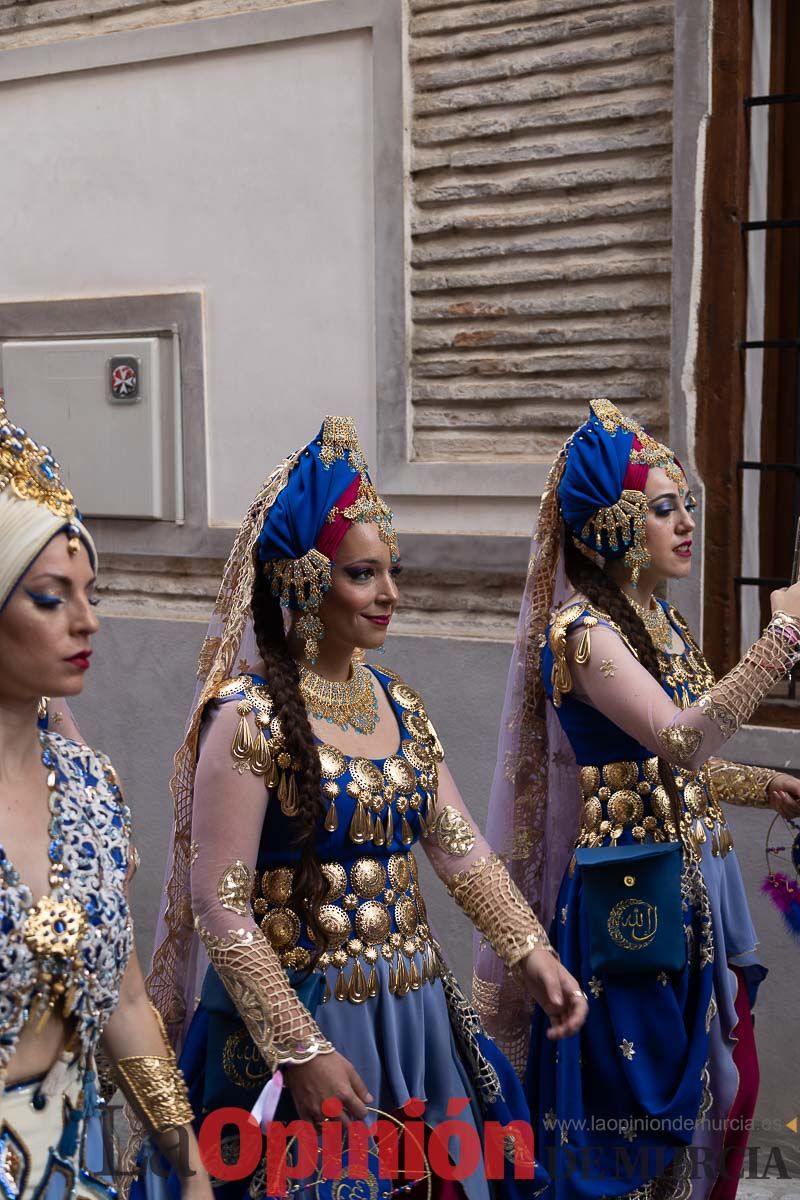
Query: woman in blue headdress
[
  {"x": 305, "y": 781},
  {"x": 617, "y": 786}
]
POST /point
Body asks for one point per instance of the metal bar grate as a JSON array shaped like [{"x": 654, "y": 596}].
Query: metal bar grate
[
  {"x": 772, "y": 223},
  {"x": 777, "y": 98}
]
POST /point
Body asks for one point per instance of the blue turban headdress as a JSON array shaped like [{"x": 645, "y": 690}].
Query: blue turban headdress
[
  {"x": 604, "y": 510},
  {"x": 328, "y": 488}
]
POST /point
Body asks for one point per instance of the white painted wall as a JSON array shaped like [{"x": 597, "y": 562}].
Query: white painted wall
[{"x": 245, "y": 173}]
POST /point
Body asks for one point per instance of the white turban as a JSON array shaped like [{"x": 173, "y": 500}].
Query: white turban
[{"x": 26, "y": 527}]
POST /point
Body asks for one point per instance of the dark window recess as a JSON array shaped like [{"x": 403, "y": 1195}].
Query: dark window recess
[{"x": 779, "y": 464}]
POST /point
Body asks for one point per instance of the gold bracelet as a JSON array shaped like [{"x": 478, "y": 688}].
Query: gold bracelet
[
  {"x": 157, "y": 1090},
  {"x": 156, "y": 1087},
  {"x": 735, "y": 783}
]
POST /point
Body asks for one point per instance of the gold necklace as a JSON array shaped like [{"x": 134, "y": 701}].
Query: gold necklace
[
  {"x": 655, "y": 622},
  {"x": 349, "y": 704}
]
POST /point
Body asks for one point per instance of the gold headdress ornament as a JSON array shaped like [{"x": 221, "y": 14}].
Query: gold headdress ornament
[
  {"x": 35, "y": 505},
  {"x": 31, "y": 471},
  {"x": 339, "y": 438},
  {"x": 652, "y": 453},
  {"x": 370, "y": 508}
]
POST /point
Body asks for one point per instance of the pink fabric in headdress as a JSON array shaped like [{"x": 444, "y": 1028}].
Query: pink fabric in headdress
[
  {"x": 332, "y": 533},
  {"x": 636, "y": 474}
]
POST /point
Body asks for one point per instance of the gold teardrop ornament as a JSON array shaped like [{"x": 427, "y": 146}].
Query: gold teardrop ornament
[
  {"x": 357, "y": 991},
  {"x": 242, "y": 744},
  {"x": 332, "y": 818}
]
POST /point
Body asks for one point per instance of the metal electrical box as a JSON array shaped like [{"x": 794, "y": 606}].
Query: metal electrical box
[{"x": 109, "y": 409}]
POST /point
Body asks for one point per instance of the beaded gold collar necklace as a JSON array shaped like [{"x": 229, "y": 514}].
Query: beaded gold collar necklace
[
  {"x": 352, "y": 704},
  {"x": 655, "y": 622}
]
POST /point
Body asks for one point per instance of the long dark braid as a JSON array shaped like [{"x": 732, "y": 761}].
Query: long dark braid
[
  {"x": 598, "y": 587},
  {"x": 309, "y": 887}
]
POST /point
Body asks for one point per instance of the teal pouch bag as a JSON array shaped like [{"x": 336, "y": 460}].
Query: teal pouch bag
[{"x": 632, "y": 896}]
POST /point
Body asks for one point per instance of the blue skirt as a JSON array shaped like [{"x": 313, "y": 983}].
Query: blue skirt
[{"x": 426, "y": 1045}]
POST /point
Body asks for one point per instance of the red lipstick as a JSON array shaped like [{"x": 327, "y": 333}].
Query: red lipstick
[
  {"x": 80, "y": 660},
  {"x": 383, "y": 621}
]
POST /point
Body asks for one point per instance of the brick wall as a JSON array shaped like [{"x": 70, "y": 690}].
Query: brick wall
[{"x": 541, "y": 185}]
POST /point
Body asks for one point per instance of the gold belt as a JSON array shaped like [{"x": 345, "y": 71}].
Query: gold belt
[
  {"x": 629, "y": 795},
  {"x": 374, "y": 909}
]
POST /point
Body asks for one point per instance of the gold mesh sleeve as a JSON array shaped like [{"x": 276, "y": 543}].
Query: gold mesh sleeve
[
  {"x": 731, "y": 701},
  {"x": 280, "y": 1025},
  {"x": 735, "y": 783},
  {"x": 498, "y": 910}
]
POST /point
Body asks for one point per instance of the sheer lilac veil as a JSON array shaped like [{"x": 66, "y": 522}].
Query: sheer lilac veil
[
  {"x": 229, "y": 648},
  {"x": 535, "y": 801}
]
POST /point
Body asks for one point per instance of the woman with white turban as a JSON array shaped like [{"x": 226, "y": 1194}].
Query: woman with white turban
[{"x": 70, "y": 983}]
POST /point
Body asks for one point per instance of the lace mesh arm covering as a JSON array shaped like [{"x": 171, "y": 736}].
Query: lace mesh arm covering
[
  {"x": 229, "y": 809},
  {"x": 478, "y": 880},
  {"x": 611, "y": 679},
  {"x": 736, "y": 783}
]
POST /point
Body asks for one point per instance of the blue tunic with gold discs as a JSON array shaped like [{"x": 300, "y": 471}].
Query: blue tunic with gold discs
[
  {"x": 380, "y": 991},
  {"x": 619, "y": 1106}
]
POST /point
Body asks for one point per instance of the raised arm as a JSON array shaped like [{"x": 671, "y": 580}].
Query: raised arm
[
  {"x": 229, "y": 810},
  {"x": 480, "y": 884},
  {"x": 606, "y": 674}
]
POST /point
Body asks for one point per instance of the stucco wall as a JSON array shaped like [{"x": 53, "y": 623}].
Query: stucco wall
[{"x": 245, "y": 175}]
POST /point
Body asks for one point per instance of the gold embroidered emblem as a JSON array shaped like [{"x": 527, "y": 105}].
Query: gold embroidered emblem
[
  {"x": 453, "y": 832},
  {"x": 680, "y": 742},
  {"x": 633, "y": 923},
  {"x": 235, "y": 888}
]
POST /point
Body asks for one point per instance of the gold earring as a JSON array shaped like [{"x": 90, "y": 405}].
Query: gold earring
[{"x": 311, "y": 629}]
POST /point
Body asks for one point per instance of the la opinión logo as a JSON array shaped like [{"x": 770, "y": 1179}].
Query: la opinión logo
[{"x": 405, "y": 1148}]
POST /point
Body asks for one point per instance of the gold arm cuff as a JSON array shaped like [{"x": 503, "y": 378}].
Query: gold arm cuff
[
  {"x": 157, "y": 1091},
  {"x": 495, "y": 905},
  {"x": 453, "y": 832},
  {"x": 735, "y": 783},
  {"x": 680, "y": 743}
]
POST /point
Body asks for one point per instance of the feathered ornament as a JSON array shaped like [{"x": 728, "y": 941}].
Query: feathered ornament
[{"x": 782, "y": 888}]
